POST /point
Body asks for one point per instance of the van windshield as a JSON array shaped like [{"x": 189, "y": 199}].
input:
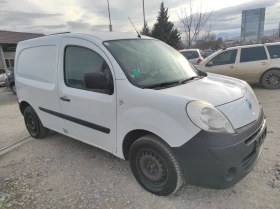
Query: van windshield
[{"x": 150, "y": 62}]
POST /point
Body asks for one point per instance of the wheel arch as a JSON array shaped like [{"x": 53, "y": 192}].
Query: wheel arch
[
  {"x": 23, "y": 105},
  {"x": 131, "y": 137},
  {"x": 274, "y": 68}
]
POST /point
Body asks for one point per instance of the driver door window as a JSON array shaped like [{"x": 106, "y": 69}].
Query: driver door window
[
  {"x": 225, "y": 58},
  {"x": 80, "y": 60},
  {"x": 223, "y": 63}
]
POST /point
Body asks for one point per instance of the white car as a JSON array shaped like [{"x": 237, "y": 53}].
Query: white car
[
  {"x": 3, "y": 77},
  {"x": 259, "y": 63},
  {"x": 142, "y": 101},
  {"x": 193, "y": 55}
]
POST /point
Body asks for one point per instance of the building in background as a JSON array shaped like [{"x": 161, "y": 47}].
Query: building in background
[
  {"x": 252, "y": 27},
  {"x": 8, "y": 43}
]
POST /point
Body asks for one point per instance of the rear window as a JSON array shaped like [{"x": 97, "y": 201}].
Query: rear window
[
  {"x": 274, "y": 51},
  {"x": 190, "y": 54},
  {"x": 253, "y": 54}
]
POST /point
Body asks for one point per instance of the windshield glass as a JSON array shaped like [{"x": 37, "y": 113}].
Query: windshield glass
[{"x": 150, "y": 62}]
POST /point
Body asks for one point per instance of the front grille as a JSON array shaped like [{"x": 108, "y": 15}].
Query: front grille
[
  {"x": 255, "y": 135},
  {"x": 260, "y": 135}
]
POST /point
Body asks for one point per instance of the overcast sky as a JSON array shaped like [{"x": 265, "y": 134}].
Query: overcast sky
[{"x": 52, "y": 16}]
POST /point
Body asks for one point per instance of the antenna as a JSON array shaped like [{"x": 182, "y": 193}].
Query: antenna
[{"x": 135, "y": 28}]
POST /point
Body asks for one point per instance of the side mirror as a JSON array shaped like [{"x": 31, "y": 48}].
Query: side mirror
[
  {"x": 98, "y": 81},
  {"x": 209, "y": 64}
]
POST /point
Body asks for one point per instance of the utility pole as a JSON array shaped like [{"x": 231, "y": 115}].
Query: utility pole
[
  {"x": 144, "y": 16},
  {"x": 110, "y": 26},
  {"x": 279, "y": 30}
]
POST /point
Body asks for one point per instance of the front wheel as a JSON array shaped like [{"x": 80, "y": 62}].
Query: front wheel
[
  {"x": 155, "y": 166},
  {"x": 271, "y": 79}
]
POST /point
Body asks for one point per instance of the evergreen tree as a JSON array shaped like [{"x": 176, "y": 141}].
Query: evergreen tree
[
  {"x": 145, "y": 30},
  {"x": 164, "y": 29}
]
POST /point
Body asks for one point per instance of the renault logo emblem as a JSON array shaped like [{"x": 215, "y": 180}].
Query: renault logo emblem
[{"x": 249, "y": 104}]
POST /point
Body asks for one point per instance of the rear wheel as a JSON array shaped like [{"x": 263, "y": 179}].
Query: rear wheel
[
  {"x": 13, "y": 88},
  {"x": 33, "y": 124},
  {"x": 155, "y": 166},
  {"x": 271, "y": 79}
]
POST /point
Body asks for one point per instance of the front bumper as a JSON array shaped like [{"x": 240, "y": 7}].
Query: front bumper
[{"x": 219, "y": 161}]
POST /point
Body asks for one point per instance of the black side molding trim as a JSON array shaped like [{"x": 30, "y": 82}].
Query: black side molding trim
[{"x": 77, "y": 120}]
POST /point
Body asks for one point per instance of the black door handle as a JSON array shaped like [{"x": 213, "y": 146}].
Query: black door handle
[{"x": 65, "y": 99}]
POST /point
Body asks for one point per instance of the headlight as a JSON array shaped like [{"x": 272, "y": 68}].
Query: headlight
[{"x": 208, "y": 118}]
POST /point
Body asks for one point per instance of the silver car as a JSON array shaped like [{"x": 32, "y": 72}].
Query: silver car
[
  {"x": 193, "y": 55},
  {"x": 3, "y": 77}
]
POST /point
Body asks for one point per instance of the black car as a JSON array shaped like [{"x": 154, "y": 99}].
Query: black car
[{"x": 11, "y": 82}]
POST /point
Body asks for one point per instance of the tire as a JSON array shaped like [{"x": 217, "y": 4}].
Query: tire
[
  {"x": 6, "y": 83},
  {"x": 13, "y": 88},
  {"x": 271, "y": 79},
  {"x": 155, "y": 166},
  {"x": 33, "y": 124}
]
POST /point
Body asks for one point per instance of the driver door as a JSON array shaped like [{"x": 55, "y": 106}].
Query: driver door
[
  {"x": 224, "y": 63},
  {"x": 89, "y": 115}
]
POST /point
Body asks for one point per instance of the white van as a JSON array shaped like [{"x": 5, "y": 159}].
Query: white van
[{"x": 142, "y": 101}]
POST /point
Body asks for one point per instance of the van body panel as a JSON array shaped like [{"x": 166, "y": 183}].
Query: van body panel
[
  {"x": 153, "y": 111},
  {"x": 36, "y": 79},
  {"x": 214, "y": 89}
]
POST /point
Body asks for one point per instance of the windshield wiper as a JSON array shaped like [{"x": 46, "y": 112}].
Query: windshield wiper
[
  {"x": 172, "y": 83},
  {"x": 164, "y": 84},
  {"x": 192, "y": 78}
]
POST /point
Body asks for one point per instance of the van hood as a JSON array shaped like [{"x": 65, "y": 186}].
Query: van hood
[{"x": 214, "y": 89}]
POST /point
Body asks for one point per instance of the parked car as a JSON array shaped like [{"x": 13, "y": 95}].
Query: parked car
[
  {"x": 258, "y": 63},
  {"x": 11, "y": 82},
  {"x": 3, "y": 77},
  {"x": 149, "y": 106},
  {"x": 207, "y": 53},
  {"x": 193, "y": 55}
]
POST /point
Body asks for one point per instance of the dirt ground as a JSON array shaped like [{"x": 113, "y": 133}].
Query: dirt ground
[{"x": 60, "y": 172}]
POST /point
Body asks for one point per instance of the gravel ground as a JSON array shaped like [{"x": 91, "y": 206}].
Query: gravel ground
[
  {"x": 11, "y": 123},
  {"x": 60, "y": 172}
]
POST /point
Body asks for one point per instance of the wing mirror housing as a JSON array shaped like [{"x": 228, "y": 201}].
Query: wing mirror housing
[{"x": 98, "y": 81}]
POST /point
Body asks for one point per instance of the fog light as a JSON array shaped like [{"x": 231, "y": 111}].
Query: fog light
[{"x": 231, "y": 174}]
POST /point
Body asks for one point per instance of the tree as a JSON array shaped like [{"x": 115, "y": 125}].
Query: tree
[
  {"x": 164, "y": 29},
  {"x": 145, "y": 30},
  {"x": 209, "y": 35},
  {"x": 193, "y": 23}
]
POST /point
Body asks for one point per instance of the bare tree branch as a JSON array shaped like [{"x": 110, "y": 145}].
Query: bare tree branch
[{"x": 192, "y": 23}]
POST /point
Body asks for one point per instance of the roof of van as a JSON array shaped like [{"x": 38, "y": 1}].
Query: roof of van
[
  {"x": 98, "y": 36},
  {"x": 106, "y": 36}
]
